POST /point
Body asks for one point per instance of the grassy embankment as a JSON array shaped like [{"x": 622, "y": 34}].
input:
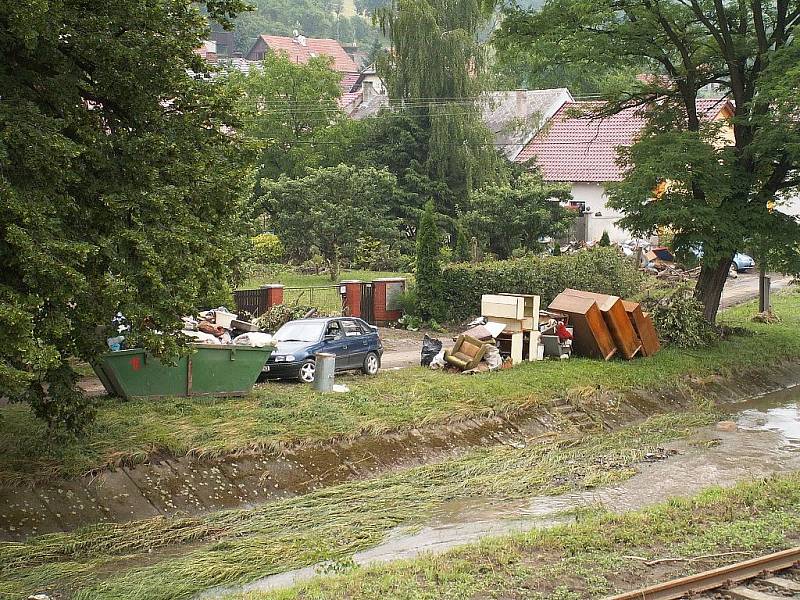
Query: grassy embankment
[
  {"x": 600, "y": 554},
  {"x": 164, "y": 558},
  {"x": 277, "y": 414}
]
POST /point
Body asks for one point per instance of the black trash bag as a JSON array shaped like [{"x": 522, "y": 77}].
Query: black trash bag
[{"x": 430, "y": 348}]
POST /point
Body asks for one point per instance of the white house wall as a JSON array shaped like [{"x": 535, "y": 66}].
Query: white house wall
[{"x": 593, "y": 194}]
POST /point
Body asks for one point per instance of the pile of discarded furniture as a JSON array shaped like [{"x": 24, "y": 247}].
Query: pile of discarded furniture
[
  {"x": 511, "y": 330},
  {"x": 606, "y": 326}
]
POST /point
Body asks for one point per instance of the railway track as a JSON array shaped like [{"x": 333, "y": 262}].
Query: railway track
[{"x": 771, "y": 577}]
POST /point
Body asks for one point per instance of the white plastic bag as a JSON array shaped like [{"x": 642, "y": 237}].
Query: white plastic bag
[{"x": 254, "y": 339}]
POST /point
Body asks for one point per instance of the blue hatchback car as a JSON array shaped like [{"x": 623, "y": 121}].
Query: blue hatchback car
[{"x": 355, "y": 343}]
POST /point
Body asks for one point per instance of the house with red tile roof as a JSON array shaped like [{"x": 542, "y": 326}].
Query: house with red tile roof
[
  {"x": 582, "y": 150},
  {"x": 301, "y": 49}
]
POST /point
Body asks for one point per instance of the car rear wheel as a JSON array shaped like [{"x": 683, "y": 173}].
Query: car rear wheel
[
  {"x": 371, "y": 364},
  {"x": 307, "y": 370}
]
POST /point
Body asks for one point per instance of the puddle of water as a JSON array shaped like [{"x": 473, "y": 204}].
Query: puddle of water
[{"x": 765, "y": 442}]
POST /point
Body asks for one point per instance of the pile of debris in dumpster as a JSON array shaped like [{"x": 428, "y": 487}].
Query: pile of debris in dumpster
[
  {"x": 513, "y": 328},
  {"x": 218, "y": 326}
]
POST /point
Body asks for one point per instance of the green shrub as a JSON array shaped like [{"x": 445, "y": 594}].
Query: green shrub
[
  {"x": 602, "y": 270},
  {"x": 462, "y": 251},
  {"x": 605, "y": 241},
  {"x": 268, "y": 248},
  {"x": 428, "y": 267},
  {"x": 678, "y": 318},
  {"x": 280, "y": 314}
]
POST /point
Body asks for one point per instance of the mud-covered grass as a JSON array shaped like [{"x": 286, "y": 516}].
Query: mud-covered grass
[
  {"x": 276, "y": 415},
  {"x": 164, "y": 558},
  {"x": 600, "y": 554}
]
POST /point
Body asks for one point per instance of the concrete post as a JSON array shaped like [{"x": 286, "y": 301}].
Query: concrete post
[
  {"x": 274, "y": 293},
  {"x": 384, "y": 309},
  {"x": 352, "y": 298}
]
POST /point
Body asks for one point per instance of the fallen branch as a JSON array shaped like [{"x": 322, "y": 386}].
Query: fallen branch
[{"x": 651, "y": 563}]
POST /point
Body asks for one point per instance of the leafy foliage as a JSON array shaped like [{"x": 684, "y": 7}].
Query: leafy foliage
[
  {"x": 331, "y": 209},
  {"x": 436, "y": 64},
  {"x": 428, "y": 269},
  {"x": 515, "y": 215},
  {"x": 122, "y": 187},
  {"x": 605, "y": 241},
  {"x": 268, "y": 248},
  {"x": 721, "y": 184},
  {"x": 678, "y": 318},
  {"x": 601, "y": 270},
  {"x": 280, "y": 314},
  {"x": 285, "y": 107},
  {"x": 462, "y": 251}
]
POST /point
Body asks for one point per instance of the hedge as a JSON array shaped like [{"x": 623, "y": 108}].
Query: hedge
[{"x": 602, "y": 270}]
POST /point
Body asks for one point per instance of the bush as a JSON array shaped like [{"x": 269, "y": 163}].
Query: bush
[
  {"x": 678, "y": 318},
  {"x": 280, "y": 314},
  {"x": 267, "y": 249},
  {"x": 605, "y": 241},
  {"x": 602, "y": 270}
]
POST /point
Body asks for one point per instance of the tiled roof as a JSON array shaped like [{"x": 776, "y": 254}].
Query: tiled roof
[
  {"x": 313, "y": 47},
  {"x": 584, "y": 149},
  {"x": 348, "y": 82},
  {"x": 514, "y": 117}
]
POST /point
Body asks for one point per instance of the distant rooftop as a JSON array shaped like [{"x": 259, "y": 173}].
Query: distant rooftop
[
  {"x": 515, "y": 117},
  {"x": 301, "y": 49},
  {"x": 577, "y": 147}
]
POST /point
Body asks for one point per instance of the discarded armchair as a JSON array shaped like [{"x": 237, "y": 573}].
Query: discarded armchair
[{"x": 467, "y": 353}]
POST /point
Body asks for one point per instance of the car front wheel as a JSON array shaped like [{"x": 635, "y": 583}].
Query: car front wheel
[
  {"x": 307, "y": 370},
  {"x": 371, "y": 364}
]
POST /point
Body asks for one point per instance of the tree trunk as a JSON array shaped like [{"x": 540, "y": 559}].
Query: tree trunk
[
  {"x": 709, "y": 286},
  {"x": 334, "y": 263}
]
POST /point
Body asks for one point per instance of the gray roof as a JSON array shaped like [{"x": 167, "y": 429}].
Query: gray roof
[{"x": 514, "y": 117}]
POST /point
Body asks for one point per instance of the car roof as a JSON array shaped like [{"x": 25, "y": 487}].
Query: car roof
[{"x": 323, "y": 319}]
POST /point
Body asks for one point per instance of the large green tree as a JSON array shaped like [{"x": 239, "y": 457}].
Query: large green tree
[
  {"x": 719, "y": 191},
  {"x": 435, "y": 72},
  {"x": 332, "y": 208},
  {"x": 518, "y": 214},
  {"x": 120, "y": 183},
  {"x": 286, "y": 107}
]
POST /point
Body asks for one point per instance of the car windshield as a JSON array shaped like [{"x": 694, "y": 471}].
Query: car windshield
[{"x": 300, "y": 331}]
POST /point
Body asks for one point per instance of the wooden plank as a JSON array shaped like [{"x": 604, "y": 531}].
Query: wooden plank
[
  {"x": 592, "y": 337},
  {"x": 643, "y": 324},
  {"x": 783, "y": 584},
  {"x": 745, "y": 593},
  {"x": 616, "y": 318}
]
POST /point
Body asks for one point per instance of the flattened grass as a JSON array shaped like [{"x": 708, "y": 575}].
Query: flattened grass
[
  {"x": 164, "y": 558},
  {"x": 276, "y": 414},
  {"x": 589, "y": 559}
]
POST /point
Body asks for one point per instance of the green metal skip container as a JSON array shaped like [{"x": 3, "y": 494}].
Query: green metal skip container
[{"x": 211, "y": 370}]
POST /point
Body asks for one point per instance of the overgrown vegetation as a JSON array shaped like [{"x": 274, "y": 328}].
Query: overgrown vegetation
[
  {"x": 428, "y": 270},
  {"x": 602, "y": 270},
  {"x": 602, "y": 553},
  {"x": 679, "y": 320},
  {"x": 278, "y": 414},
  {"x": 121, "y": 186},
  {"x": 192, "y": 554}
]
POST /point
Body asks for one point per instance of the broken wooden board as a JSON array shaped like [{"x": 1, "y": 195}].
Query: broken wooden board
[
  {"x": 616, "y": 318},
  {"x": 592, "y": 337}
]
